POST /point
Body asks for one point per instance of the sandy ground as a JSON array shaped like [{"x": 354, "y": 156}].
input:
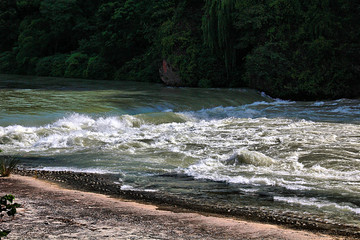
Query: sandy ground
[{"x": 51, "y": 212}]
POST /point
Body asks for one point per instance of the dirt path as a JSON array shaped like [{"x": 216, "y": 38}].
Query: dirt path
[{"x": 52, "y": 212}]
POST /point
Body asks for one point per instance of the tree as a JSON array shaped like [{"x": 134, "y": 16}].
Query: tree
[
  {"x": 66, "y": 24},
  {"x": 218, "y": 29},
  {"x": 9, "y": 24}
]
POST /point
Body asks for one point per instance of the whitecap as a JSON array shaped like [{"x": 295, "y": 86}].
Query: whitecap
[
  {"x": 244, "y": 156},
  {"x": 317, "y": 203}
]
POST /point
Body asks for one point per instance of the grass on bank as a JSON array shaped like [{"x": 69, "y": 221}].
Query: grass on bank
[{"x": 7, "y": 165}]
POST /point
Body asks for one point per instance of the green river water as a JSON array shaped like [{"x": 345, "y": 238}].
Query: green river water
[{"x": 227, "y": 146}]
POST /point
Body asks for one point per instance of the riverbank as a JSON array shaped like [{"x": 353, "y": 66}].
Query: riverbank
[{"x": 50, "y": 211}]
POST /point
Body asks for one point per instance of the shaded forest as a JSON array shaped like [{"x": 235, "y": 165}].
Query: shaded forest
[{"x": 292, "y": 49}]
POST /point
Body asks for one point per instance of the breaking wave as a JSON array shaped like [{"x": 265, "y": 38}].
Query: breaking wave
[{"x": 250, "y": 157}]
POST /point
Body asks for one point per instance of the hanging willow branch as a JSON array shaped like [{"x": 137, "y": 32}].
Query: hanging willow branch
[{"x": 217, "y": 27}]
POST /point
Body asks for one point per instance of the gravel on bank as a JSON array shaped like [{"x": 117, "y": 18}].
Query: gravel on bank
[{"x": 105, "y": 184}]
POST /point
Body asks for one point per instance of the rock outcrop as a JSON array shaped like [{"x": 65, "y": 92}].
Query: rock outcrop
[{"x": 169, "y": 75}]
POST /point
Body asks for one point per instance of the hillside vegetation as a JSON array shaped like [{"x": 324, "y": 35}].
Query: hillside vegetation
[{"x": 296, "y": 49}]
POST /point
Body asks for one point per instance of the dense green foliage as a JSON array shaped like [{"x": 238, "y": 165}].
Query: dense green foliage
[{"x": 287, "y": 48}]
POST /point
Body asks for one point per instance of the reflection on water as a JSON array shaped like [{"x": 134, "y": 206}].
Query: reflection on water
[{"x": 226, "y": 146}]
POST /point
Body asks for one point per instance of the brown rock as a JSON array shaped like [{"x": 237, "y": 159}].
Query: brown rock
[{"x": 169, "y": 75}]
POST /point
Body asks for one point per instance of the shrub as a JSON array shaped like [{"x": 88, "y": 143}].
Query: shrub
[
  {"x": 268, "y": 69},
  {"x": 8, "y": 207},
  {"x": 58, "y": 65},
  {"x": 43, "y": 66},
  {"x": 97, "y": 68},
  {"x": 76, "y": 65},
  {"x": 4, "y": 233},
  {"x": 7, "y": 165},
  {"x": 7, "y": 62},
  {"x": 51, "y": 65}
]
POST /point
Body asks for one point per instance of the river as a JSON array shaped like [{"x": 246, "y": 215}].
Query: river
[{"x": 226, "y": 146}]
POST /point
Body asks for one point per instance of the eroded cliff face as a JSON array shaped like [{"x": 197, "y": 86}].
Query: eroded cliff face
[{"x": 169, "y": 75}]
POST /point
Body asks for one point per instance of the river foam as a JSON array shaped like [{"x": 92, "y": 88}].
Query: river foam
[
  {"x": 298, "y": 153},
  {"x": 323, "y": 204}
]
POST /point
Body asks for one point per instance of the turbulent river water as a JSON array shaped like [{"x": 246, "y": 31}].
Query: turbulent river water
[{"x": 227, "y": 146}]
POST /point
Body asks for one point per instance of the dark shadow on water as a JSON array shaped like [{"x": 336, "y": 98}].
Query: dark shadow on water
[{"x": 64, "y": 84}]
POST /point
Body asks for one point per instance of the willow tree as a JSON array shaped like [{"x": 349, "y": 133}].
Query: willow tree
[{"x": 217, "y": 25}]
